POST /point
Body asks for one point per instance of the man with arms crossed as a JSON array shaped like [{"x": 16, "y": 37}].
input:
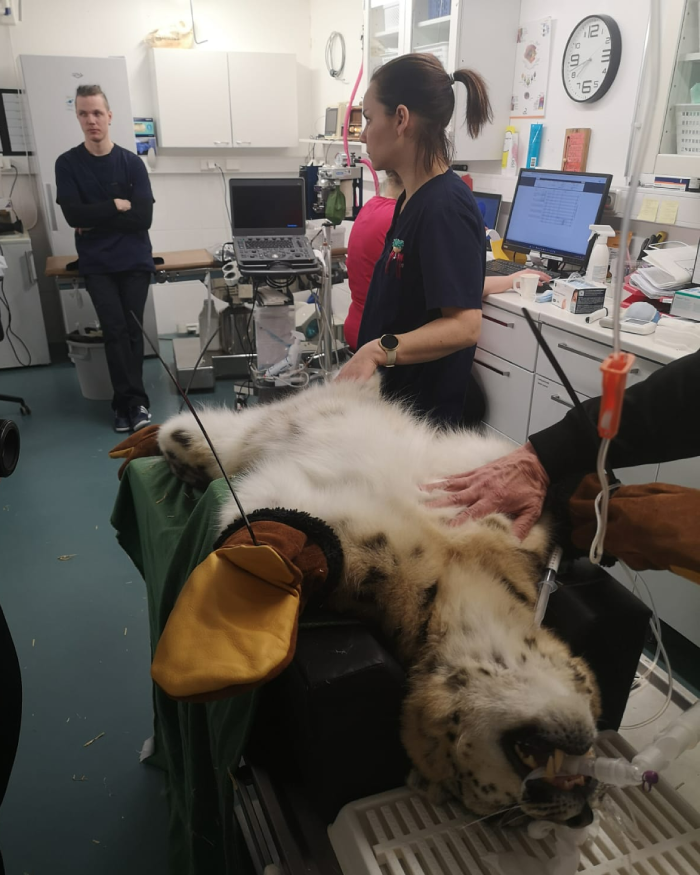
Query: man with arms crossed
[{"x": 105, "y": 194}]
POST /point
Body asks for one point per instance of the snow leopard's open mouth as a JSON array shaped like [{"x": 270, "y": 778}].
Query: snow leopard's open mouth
[
  {"x": 529, "y": 748},
  {"x": 553, "y": 795}
]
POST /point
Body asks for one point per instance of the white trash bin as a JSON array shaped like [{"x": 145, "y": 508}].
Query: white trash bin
[{"x": 91, "y": 366}]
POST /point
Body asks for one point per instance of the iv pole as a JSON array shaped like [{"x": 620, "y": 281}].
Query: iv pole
[{"x": 325, "y": 302}]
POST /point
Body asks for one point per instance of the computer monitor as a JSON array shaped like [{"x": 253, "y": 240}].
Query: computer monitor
[
  {"x": 331, "y": 127},
  {"x": 267, "y": 207},
  {"x": 551, "y": 213},
  {"x": 489, "y": 207}
]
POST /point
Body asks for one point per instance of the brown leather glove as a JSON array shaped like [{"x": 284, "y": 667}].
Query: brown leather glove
[
  {"x": 653, "y": 526},
  {"x": 143, "y": 442},
  {"x": 234, "y": 625}
]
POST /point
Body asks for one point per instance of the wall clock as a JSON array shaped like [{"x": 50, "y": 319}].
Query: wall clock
[{"x": 591, "y": 58}]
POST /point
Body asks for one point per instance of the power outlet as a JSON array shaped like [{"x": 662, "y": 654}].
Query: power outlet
[
  {"x": 209, "y": 164},
  {"x": 5, "y": 162},
  {"x": 232, "y": 164}
]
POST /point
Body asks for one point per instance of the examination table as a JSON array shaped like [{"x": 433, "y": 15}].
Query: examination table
[{"x": 254, "y": 780}]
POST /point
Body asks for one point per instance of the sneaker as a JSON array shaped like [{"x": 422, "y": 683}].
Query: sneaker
[
  {"x": 122, "y": 422},
  {"x": 139, "y": 417}
]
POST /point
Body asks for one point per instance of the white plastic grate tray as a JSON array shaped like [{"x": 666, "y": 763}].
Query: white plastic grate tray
[{"x": 401, "y": 833}]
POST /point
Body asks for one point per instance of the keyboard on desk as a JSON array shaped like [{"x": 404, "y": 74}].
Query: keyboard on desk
[{"x": 500, "y": 267}]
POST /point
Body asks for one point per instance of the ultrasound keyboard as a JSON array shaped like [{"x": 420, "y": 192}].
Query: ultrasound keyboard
[{"x": 263, "y": 251}]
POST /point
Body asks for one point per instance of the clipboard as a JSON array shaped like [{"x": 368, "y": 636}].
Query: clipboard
[{"x": 576, "y": 142}]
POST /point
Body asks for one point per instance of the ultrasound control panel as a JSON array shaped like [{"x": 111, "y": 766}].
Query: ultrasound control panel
[{"x": 269, "y": 250}]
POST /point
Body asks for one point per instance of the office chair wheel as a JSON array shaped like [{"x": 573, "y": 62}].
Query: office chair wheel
[{"x": 24, "y": 410}]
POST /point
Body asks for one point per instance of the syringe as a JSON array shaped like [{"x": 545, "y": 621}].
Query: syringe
[{"x": 547, "y": 585}]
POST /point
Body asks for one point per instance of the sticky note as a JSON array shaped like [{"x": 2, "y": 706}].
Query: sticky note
[
  {"x": 649, "y": 209},
  {"x": 668, "y": 212}
]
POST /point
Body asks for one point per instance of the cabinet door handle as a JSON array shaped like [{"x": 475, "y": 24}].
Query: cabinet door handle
[
  {"x": 31, "y": 271},
  {"x": 498, "y": 321},
  {"x": 243, "y": 142},
  {"x": 491, "y": 368},
  {"x": 222, "y": 143},
  {"x": 50, "y": 207},
  {"x": 587, "y": 355},
  {"x": 561, "y": 401}
]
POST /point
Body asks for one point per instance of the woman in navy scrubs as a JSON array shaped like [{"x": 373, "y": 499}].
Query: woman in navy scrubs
[{"x": 422, "y": 317}]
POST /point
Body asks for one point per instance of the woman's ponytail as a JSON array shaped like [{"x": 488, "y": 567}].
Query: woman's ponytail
[
  {"x": 419, "y": 82},
  {"x": 479, "y": 110}
]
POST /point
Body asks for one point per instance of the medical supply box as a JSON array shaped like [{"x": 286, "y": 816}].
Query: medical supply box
[
  {"x": 578, "y": 296},
  {"x": 686, "y": 304}
]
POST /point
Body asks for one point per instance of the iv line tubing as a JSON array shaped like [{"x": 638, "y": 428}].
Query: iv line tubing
[{"x": 345, "y": 132}]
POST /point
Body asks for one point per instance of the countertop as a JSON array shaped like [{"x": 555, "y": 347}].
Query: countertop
[
  {"x": 642, "y": 345},
  {"x": 187, "y": 259},
  {"x": 14, "y": 238}
]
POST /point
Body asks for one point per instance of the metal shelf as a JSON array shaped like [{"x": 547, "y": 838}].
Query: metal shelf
[
  {"x": 435, "y": 22},
  {"x": 323, "y": 142}
]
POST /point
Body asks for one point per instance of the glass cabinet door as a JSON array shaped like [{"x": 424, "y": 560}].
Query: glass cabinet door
[
  {"x": 386, "y": 32},
  {"x": 430, "y": 28},
  {"x": 680, "y": 141}
]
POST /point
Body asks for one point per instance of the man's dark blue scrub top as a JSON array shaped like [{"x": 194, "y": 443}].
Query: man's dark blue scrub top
[{"x": 444, "y": 260}]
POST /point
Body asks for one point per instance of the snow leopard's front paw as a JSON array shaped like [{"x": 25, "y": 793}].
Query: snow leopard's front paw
[{"x": 187, "y": 452}]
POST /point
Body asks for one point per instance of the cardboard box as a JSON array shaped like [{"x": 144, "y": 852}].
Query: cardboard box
[
  {"x": 578, "y": 296},
  {"x": 686, "y": 304}
]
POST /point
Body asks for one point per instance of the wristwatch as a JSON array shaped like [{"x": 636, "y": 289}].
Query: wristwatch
[{"x": 389, "y": 343}]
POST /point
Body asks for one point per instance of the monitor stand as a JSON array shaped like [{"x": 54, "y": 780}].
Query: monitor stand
[
  {"x": 553, "y": 265},
  {"x": 557, "y": 267}
]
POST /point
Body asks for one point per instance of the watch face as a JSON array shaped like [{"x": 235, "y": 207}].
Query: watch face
[
  {"x": 591, "y": 58},
  {"x": 389, "y": 341}
]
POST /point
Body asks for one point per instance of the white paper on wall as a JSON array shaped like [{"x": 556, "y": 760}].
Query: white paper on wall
[{"x": 531, "y": 75}]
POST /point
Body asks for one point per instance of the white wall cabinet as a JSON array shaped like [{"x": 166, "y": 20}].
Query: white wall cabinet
[
  {"x": 495, "y": 60},
  {"x": 192, "y": 99},
  {"x": 679, "y": 150},
  {"x": 222, "y": 100},
  {"x": 264, "y": 99},
  {"x": 458, "y": 33}
]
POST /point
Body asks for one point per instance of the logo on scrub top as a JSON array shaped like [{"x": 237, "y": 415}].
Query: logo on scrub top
[{"x": 395, "y": 256}]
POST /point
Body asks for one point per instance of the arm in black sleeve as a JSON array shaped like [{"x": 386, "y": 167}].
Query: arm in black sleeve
[
  {"x": 660, "y": 423},
  {"x": 138, "y": 218},
  {"x": 68, "y": 196},
  {"x": 79, "y": 215}
]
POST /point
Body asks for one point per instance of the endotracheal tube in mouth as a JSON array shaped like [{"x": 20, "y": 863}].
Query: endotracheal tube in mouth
[{"x": 680, "y": 735}]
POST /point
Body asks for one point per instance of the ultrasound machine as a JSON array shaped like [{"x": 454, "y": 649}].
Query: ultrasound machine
[{"x": 268, "y": 224}]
